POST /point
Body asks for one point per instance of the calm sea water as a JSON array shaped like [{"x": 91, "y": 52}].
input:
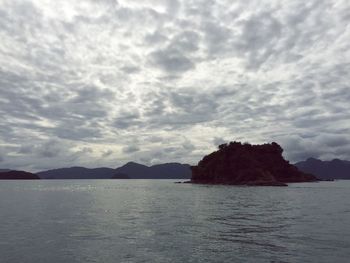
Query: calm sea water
[{"x": 159, "y": 221}]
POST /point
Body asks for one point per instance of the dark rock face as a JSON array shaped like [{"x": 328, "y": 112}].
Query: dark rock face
[
  {"x": 245, "y": 164},
  {"x": 326, "y": 170},
  {"x": 17, "y": 175}
]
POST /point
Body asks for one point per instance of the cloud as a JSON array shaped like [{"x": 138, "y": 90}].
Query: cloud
[
  {"x": 218, "y": 141},
  {"x": 126, "y": 119},
  {"x": 130, "y": 149},
  {"x": 49, "y": 149},
  {"x": 107, "y": 153},
  {"x": 156, "y": 81},
  {"x": 25, "y": 149},
  {"x": 171, "y": 60}
]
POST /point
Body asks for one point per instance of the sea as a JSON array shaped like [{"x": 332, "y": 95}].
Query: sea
[{"x": 112, "y": 221}]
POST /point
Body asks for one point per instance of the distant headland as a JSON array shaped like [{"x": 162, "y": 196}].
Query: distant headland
[
  {"x": 17, "y": 175},
  {"x": 245, "y": 164}
]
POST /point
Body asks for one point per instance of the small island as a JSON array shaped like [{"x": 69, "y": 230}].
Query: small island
[
  {"x": 18, "y": 175},
  {"x": 245, "y": 164}
]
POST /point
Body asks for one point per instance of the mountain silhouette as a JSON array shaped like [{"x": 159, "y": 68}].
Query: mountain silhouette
[
  {"x": 335, "y": 169},
  {"x": 77, "y": 173},
  {"x": 120, "y": 176},
  {"x": 17, "y": 175},
  {"x": 131, "y": 170},
  {"x": 159, "y": 171}
]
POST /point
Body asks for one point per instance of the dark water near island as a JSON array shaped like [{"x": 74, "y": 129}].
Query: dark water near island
[{"x": 159, "y": 221}]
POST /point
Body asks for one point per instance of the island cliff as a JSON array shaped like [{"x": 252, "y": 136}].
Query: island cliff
[{"x": 245, "y": 164}]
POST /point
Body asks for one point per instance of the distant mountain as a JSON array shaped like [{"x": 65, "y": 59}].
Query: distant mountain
[
  {"x": 335, "y": 169},
  {"x": 160, "y": 171},
  {"x": 120, "y": 176},
  {"x": 4, "y": 170},
  {"x": 17, "y": 175},
  {"x": 78, "y": 173},
  {"x": 130, "y": 170},
  {"x": 133, "y": 170}
]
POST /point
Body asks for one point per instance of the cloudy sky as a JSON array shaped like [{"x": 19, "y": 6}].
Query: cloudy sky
[{"x": 100, "y": 83}]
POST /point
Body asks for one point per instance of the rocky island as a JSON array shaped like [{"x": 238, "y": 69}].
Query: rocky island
[{"x": 245, "y": 164}]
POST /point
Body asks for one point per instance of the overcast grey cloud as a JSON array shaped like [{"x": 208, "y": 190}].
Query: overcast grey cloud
[{"x": 99, "y": 83}]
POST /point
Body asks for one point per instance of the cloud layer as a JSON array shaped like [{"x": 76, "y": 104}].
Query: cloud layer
[{"x": 98, "y": 83}]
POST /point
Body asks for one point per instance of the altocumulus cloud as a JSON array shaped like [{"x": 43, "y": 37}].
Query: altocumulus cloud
[{"x": 103, "y": 82}]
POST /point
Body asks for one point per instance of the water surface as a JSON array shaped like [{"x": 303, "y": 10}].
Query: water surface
[{"x": 159, "y": 221}]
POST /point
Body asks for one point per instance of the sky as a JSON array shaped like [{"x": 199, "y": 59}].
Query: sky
[{"x": 100, "y": 83}]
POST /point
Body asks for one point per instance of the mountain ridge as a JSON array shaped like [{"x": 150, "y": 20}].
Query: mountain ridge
[
  {"x": 17, "y": 175},
  {"x": 326, "y": 170},
  {"x": 130, "y": 170}
]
